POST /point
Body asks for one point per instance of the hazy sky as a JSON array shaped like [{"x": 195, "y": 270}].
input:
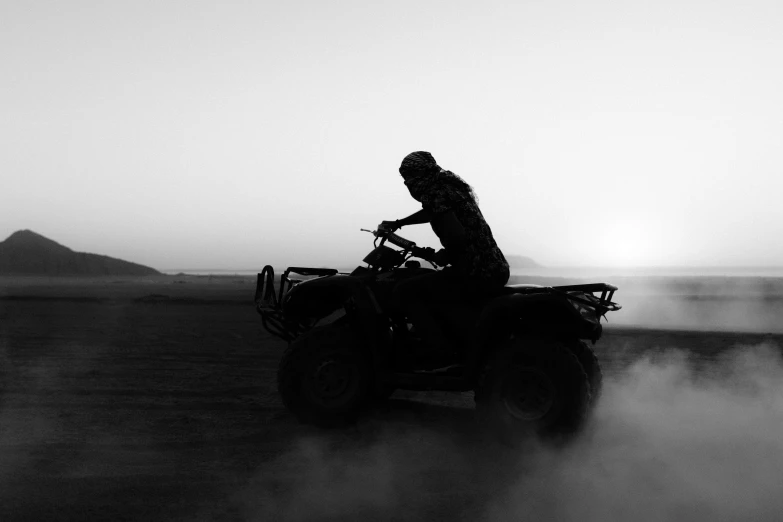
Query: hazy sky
[{"x": 233, "y": 134}]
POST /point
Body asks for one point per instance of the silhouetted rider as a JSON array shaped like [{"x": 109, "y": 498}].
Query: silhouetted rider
[{"x": 476, "y": 264}]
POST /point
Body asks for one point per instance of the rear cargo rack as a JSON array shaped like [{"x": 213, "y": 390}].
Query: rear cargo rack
[{"x": 602, "y": 303}]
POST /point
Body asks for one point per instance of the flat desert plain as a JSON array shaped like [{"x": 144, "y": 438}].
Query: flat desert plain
[{"x": 155, "y": 399}]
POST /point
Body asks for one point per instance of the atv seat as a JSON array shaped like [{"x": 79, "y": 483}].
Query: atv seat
[
  {"x": 519, "y": 289},
  {"x": 510, "y": 290}
]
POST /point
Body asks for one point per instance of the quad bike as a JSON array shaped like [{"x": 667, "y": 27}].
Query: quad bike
[{"x": 521, "y": 348}]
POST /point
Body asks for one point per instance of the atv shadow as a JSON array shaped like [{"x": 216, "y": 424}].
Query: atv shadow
[
  {"x": 447, "y": 419},
  {"x": 425, "y": 456},
  {"x": 411, "y": 422},
  {"x": 393, "y": 418}
]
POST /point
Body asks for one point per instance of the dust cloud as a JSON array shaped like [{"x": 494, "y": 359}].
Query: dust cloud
[
  {"x": 736, "y": 304},
  {"x": 708, "y": 303},
  {"x": 673, "y": 438},
  {"x": 700, "y": 312}
]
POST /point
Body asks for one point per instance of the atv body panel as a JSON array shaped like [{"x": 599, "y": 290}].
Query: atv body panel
[{"x": 314, "y": 299}]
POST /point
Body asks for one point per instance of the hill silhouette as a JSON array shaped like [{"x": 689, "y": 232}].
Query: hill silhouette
[
  {"x": 26, "y": 253},
  {"x": 521, "y": 262}
]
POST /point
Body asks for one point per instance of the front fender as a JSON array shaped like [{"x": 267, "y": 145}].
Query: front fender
[
  {"x": 315, "y": 299},
  {"x": 309, "y": 301}
]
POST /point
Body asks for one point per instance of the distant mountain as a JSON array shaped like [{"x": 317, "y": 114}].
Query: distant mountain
[
  {"x": 26, "y": 253},
  {"x": 521, "y": 262}
]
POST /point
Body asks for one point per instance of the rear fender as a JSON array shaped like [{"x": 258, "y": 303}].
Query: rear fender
[
  {"x": 532, "y": 312},
  {"x": 529, "y": 315}
]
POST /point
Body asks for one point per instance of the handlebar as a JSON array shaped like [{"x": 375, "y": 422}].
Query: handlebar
[
  {"x": 425, "y": 253},
  {"x": 401, "y": 242}
]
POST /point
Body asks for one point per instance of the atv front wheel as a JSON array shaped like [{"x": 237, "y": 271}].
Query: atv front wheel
[
  {"x": 323, "y": 377},
  {"x": 532, "y": 388}
]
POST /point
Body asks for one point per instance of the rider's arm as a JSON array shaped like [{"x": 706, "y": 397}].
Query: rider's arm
[
  {"x": 450, "y": 232},
  {"x": 417, "y": 218}
]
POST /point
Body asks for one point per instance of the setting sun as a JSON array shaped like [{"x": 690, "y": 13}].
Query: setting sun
[{"x": 628, "y": 244}]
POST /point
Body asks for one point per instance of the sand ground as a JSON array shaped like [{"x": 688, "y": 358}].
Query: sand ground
[{"x": 155, "y": 399}]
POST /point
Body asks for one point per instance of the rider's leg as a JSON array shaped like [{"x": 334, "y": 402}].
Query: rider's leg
[
  {"x": 419, "y": 296},
  {"x": 413, "y": 297}
]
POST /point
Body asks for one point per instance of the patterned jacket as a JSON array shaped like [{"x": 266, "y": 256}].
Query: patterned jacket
[{"x": 481, "y": 258}]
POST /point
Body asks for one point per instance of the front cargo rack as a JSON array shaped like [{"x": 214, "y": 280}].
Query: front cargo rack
[{"x": 269, "y": 305}]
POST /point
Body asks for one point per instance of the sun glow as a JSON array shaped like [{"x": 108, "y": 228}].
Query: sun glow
[{"x": 629, "y": 244}]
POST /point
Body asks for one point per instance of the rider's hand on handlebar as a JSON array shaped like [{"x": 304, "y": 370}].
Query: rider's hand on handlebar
[
  {"x": 427, "y": 254},
  {"x": 441, "y": 258},
  {"x": 388, "y": 227}
]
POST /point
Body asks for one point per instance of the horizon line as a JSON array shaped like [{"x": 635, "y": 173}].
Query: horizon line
[{"x": 558, "y": 267}]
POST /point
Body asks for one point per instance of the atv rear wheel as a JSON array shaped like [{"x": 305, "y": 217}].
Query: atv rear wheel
[
  {"x": 592, "y": 368},
  {"x": 532, "y": 388},
  {"x": 323, "y": 377}
]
